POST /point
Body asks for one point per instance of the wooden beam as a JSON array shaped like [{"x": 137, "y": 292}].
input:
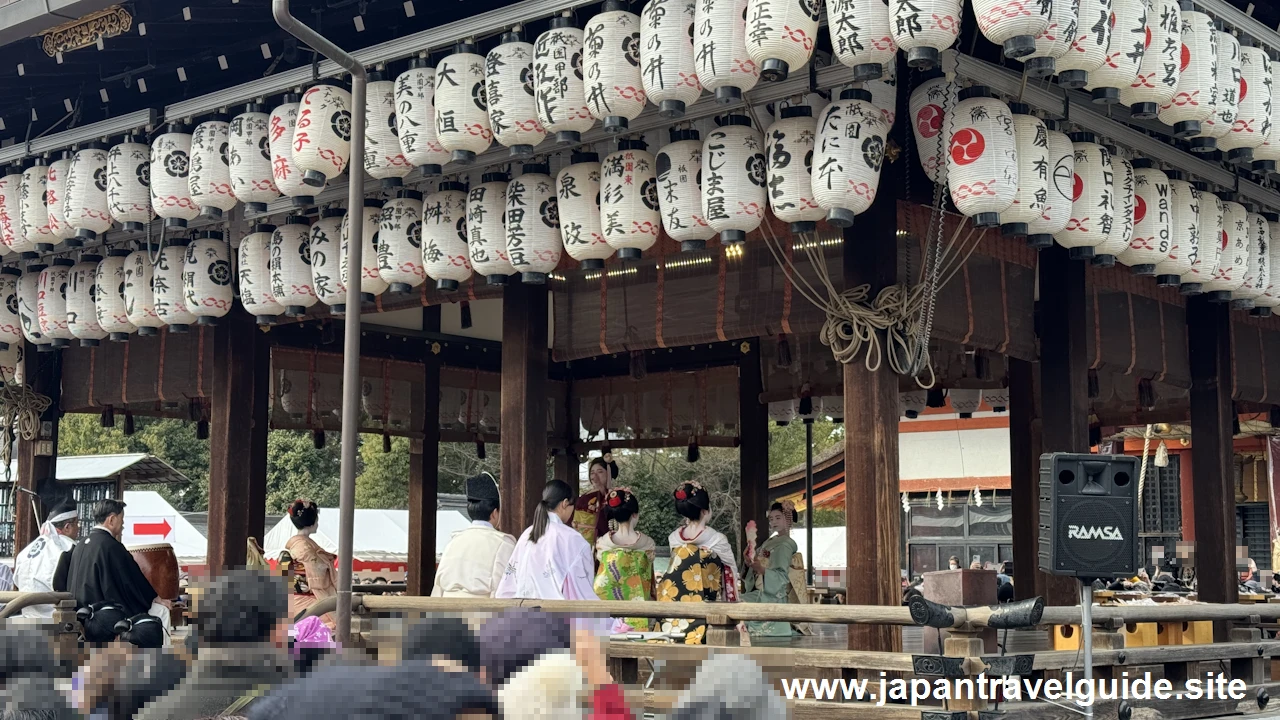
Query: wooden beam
[
  {"x": 256, "y": 506},
  {"x": 43, "y": 373},
  {"x": 1064, "y": 378},
  {"x": 230, "y": 434},
  {"x": 424, "y": 472},
  {"x": 753, "y": 451},
  {"x": 524, "y": 403},
  {"x": 1209, "y": 350},
  {"x": 1024, "y": 479}
]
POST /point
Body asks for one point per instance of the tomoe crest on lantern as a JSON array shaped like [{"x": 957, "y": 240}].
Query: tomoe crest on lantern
[
  {"x": 462, "y": 109},
  {"x": 444, "y": 236},
  {"x": 578, "y": 195},
  {"x": 982, "y": 161},
  {"x": 533, "y": 224},
  {"x": 400, "y": 242},
  {"x": 734, "y": 176},
  {"x": 629, "y": 210}
]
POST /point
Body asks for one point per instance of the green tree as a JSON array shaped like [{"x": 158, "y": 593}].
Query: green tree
[
  {"x": 173, "y": 441},
  {"x": 296, "y": 469},
  {"x": 786, "y": 443},
  {"x": 384, "y": 476}
]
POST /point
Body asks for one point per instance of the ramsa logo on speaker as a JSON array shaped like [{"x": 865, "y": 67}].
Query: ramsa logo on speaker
[{"x": 1080, "y": 532}]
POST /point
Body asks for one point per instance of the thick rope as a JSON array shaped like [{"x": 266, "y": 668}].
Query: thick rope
[
  {"x": 1142, "y": 472},
  {"x": 20, "y": 411}
]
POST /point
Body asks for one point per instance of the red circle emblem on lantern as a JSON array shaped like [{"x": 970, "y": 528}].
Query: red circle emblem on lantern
[
  {"x": 1146, "y": 43},
  {"x": 1139, "y": 209},
  {"x": 929, "y": 121},
  {"x": 1244, "y": 88},
  {"x": 1077, "y": 188},
  {"x": 1224, "y": 239},
  {"x": 1186, "y": 58},
  {"x": 967, "y": 145}
]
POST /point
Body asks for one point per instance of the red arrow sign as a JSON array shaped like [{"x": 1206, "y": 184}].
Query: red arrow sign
[{"x": 161, "y": 528}]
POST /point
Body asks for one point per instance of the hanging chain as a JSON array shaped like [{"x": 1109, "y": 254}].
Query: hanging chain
[{"x": 932, "y": 254}]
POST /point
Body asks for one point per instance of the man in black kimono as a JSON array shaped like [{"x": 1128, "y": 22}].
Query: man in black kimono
[{"x": 100, "y": 569}]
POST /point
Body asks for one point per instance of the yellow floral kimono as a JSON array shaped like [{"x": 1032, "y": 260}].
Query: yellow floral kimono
[{"x": 695, "y": 575}]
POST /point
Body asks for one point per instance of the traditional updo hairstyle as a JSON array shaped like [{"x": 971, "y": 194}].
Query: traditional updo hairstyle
[
  {"x": 795, "y": 516},
  {"x": 691, "y": 501},
  {"x": 556, "y": 492},
  {"x": 620, "y": 506},
  {"x": 303, "y": 514}
]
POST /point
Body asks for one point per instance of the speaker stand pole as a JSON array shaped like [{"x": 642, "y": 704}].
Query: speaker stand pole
[{"x": 1086, "y": 638}]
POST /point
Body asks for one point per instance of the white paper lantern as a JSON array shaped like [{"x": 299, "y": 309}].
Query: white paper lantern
[
  {"x": 720, "y": 49},
  {"x": 1157, "y": 78},
  {"x": 1233, "y": 265},
  {"x": 997, "y": 399},
  {"x": 210, "y": 175},
  {"x": 249, "y": 159},
  {"x": 35, "y": 211},
  {"x": 11, "y": 365},
  {"x": 1123, "y": 201},
  {"x": 1253, "y": 117},
  {"x": 288, "y": 176},
  {"x": 1257, "y": 276},
  {"x": 1152, "y": 237},
  {"x": 1197, "y": 83},
  {"x": 86, "y": 203},
  {"x": 322, "y": 136},
  {"x": 139, "y": 297},
  {"x": 206, "y": 277},
  {"x": 10, "y": 323},
  {"x": 680, "y": 192},
  {"x": 629, "y": 212},
  {"x": 611, "y": 67},
  {"x": 51, "y": 303},
  {"x": 982, "y": 162},
  {"x": 1184, "y": 226},
  {"x": 290, "y": 266},
  {"x": 557, "y": 74},
  {"x": 884, "y": 94},
  {"x": 400, "y": 242},
  {"x": 1057, "y": 209},
  {"x": 1093, "y": 207},
  {"x": 1031, "y": 139},
  {"x": 82, "y": 302},
  {"x": 913, "y": 403},
  {"x": 11, "y": 215},
  {"x": 170, "y": 173},
  {"x": 1088, "y": 49},
  {"x": 444, "y": 236},
  {"x": 1270, "y": 297},
  {"x": 848, "y": 156},
  {"x": 925, "y": 28},
  {"x": 965, "y": 401},
  {"x": 1210, "y": 245},
  {"x": 129, "y": 185},
  {"x": 862, "y": 36},
  {"x": 371, "y": 283},
  {"x": 28, "y": 307},
  {"x": 1014, "y": 26},
  {"x": 1225, "y": 97},
  {"x": 295, "y": 394},
  {"x": 1054, "y": 41},
  {"x": 416, "y": 118},
  {"x": 789, "y": 153},
  {"x": 1124, "y": 55},
  {"x": 930, "y": 102},
  {"x": 578, "y": 190},
  {"x": 383, "y": 158},
  {"x": 782, "y": 412},
  {"x": 56, "y": 197},
  {"x": 1267, "y": 154},
  {"x": 509, "y": 91},
  {"x": 781, "y": 35},
  {"x": 113, "y": 313},
  {"x": 734, "y": 175},
  {"x": 167, "y": 295},
  {"x": 486, "y": 228},
  {"x": 667, "y": 68},
  {"x": 375, "y": 398},
  {"x": 462, "y": 111},
  {"x": 255, "y": 275},
  {"x": 533, "y": 224},
  {"x": 327, "y": 258}
]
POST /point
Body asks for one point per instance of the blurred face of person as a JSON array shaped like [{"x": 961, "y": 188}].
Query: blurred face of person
[
  {"x": 564, "y": 511},
  {"x": 70, "y": 529},
  {"x": 599, "y": 476}
]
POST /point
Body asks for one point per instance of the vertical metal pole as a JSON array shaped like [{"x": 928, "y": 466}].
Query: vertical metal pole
[
  {"x": 808, "y": 500},
  {"x": 1086, "y": 638},
  {"x": 351, "y": 339}
]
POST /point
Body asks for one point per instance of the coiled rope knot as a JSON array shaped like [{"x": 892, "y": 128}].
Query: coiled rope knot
[
  {"x": 852, "y": 323},
  {"x": 20, "y": 411}
]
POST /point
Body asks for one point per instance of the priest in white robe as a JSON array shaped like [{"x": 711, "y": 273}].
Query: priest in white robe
[
  {"x": 473, "y": 563},
  {"x": 35, "y": 565}
]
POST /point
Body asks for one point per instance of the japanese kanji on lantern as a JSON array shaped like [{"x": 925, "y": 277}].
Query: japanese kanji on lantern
[
  {"x": 1209, "y": 247},
  {"x": 170, "y": 172},
  {"x": 206, "y": 277},
  {"x": 1014, "y": 25},
  {"x": 1233, "y": 265},
  {"x": 720, "y": 49},
  {"x": 255, "y": 275},
  {"x": 1119, "y": 69},
  {"x": 1093, "y": 204},
  {"x": 1257, "y": 274},
  {"x": 929, "y": 104},
  {"x": 1197, "y": 82},
  {"x": 51, "y": 303},
  {"x": 322, "y": 135},
  {"x": 1088, "y": 49},
  {"x": 10, "y": 323},
  {"x": 210, "y": 175},
  {"x": 286, "y": 173},
  {"x": 326, "y": 259},
  {"x": 82, "y": 302},
  {"x": 1157, "y": 78},
  {"x": 167, "y": 296},
  {"x": 1270, "y": 297},
  {"x": 462, "y": 111},
  {"x": 35, "y": 211},
  {"x": 611, "y": 67},
  {"x": 848, "y": 155},
  {"x": 533, "y": 224},
  {"x": 1224, "y": 97},
  {"x": 578, "y": 193},
  {"x": 667, "y": 69},
  {"x": 734, "y": 174},
  {"x": 416, "y": 118},
  {"x": 400, "y": 242},
  {"x": 486, "y": 228},
  {"x": 679, "y": 192},
  {"x": 781, "y": 35},
  {"x": 1266, "y": 155},
  {"x": 1184, "y": 227},
  {"x": 1054, "y": 41},
  {"x": 28, "y": 304},
  {"x": 861, "y": 36},
  {"x": 139, "y": 298},
  {"x": 56, "y": 197},
  {"x": 383, "y": 158},
  {"x": 11, "y": 213},
  {"x": 249, "y": 158},
  {"x": 113, "y": 314},
  {"x": 1253, "y": 117},
  {"x": 1032, "y": 142},
  {"x": 982, "y": 160},
  {"x": 629, "y": 211},
  {"x": 129, "y": 185},
  {"x": 290, "y": 265},
  {"x": 444, "y": 236},
  {"x": 86, "y": 203},
  {"x": 1151, "y": 238},
  {"x": 912, "y": 403},
  {"x": 789, "y": 153},
  {"x": 884, "y": 95},
  {"x": 924, "y": 28},
  {"x": 509, "y": 90},
  {"x": 371, "y": 283},
  {"x": 558, "y": 80},
  {"x": 1124, "y": 201}
]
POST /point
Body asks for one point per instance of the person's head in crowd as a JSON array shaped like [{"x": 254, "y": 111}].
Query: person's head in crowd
[
  {"x": 693, "y": 502},
  {"x": 953, "y": 563},
  {"x": 557, "y": 498},
  {"x": 598, "y": 474},
  {"x": 730, "y": 686},
  {"x": 1004, "y": 593},
  {"x": 144, "y": 676},
  {"x": 514, "y": 638},
  {"x": 304, "y": 514},
  {"x": 782, "y": 515},
  {"x": 103, "y": 674},
  {"x": 549, "y": 687},
  {"x": 24, "y": 651},
  {"x": 409, "y": 690},
  {"x": 483, "y": 500},
  {"x": 35, "y": 698},
  {"x": 241, "y": 606},
  {"x": 110, "y": 515},
  {"x": 445, "y": 642},
  {"x": 622, "y": 508}
]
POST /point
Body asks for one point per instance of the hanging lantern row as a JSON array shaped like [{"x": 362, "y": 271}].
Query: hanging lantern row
[{"x": 964, "y": 401}]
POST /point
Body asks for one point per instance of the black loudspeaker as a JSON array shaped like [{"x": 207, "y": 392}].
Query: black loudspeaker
[{"x": 1089, "y": 515}]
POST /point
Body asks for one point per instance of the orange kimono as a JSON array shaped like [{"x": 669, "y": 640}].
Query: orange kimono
[{"x": 314, "y": 576}]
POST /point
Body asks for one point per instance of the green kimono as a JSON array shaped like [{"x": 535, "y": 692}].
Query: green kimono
[{"x": 774, "y": 586}]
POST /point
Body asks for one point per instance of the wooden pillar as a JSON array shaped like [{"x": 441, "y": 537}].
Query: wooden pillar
[
  {"x": 230, "y": 434},
  {"x": 567, "y": 464},
  {"x": 43, "y": 374},
  {"x": 1024, "y": 479},
  {"x": 1064, "y": 377},
  {"x": 753, "y": 441},
  {"x": 524, "y": 403},
  {"x": 1209, "y": 349},
  {"x": 256, "y": 507},
  {"x": 424, "y": 472}
]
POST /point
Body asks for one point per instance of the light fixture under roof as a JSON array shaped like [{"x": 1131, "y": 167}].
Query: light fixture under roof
[{"x": 408, "y": 8}]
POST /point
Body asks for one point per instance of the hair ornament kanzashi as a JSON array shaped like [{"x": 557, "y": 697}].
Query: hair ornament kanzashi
[{"x": 789, "y": 507}]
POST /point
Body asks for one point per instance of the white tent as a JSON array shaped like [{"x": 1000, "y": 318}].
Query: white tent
[
  {"x": 378, "y": 535},
  {"x": 828, "y": 546},
  {"x": 149, "y": 518}
]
